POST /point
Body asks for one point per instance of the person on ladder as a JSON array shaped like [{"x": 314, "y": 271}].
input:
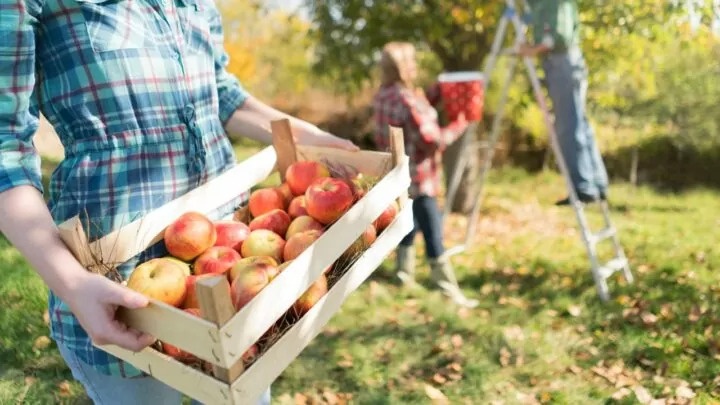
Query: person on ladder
[
  {"x": 399, "y": 103},
  {"x": 556, "y": 26}
]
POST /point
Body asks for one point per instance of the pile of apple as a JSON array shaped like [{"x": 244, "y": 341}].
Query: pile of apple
[{"x": 283, "y": 221}]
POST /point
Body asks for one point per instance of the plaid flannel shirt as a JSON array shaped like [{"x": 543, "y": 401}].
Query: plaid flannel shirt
[
  {"x": 398, "y": 106},
  {"x": 138, "y": 93}
]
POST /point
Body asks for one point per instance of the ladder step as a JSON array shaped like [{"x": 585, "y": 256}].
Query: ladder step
[
  {"x": 612, "y": 266},
  {"x": 603, "y": 234}
]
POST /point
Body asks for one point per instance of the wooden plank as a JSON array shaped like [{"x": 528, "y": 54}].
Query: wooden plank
[
  {"x": 174, "y": 326},
  {"x": 74, "y": 236},
  {"x": 183, "y": 378},
  {"x": 267, "y": 368},
  {"x": 368, "y": 162},
  {"x": 284, "y": 144},
  {"x": 216, "y": 307},
  {"x": 397, "y": 149},
  {"x": 259, "y": 314},
  {"x": 126, "y": 242}
]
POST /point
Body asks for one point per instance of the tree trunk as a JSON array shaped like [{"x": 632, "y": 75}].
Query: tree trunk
[{"x": 468, "y": 186}]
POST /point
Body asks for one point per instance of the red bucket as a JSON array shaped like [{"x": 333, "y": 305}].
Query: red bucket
[{"x": 462, "y": 92}]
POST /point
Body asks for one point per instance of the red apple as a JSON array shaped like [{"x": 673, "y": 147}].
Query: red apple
[
  {"x": 386, "y": 218},
  {"x": 248, "y": 284},
  {"x": 284, "y": 190},
  {"x": 276, "y": 220},
  {"x": 217, "y": 260},
  {"x": 264, "y": 200},
  {"x": 301, "y": 224},
  {"x": 297, "y": 207},
  {"x": 160, "y": 279},
  {"x": 231, "y": 234},
  {"x": 311, "y": 296},
  {"x": 189, "y": 235},
  {"x": 174, "y": 351},
  {"x": 248, "y": 262},
  {"x": 298, "y": 243},
  {"x": 328, "y": 199},
  {"x": 263, "y": 242},
  {"x": 300, "y": 175},
  {"x": 250, "y": 354},
  {"x": 191, "y": 298},
  {"x": 361, "y": 243}
]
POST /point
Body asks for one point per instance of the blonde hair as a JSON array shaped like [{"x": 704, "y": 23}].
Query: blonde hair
[{"x": 394, "y": 63}]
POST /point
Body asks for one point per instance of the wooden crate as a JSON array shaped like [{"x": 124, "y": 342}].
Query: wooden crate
[{"x": 223, "y": 335}]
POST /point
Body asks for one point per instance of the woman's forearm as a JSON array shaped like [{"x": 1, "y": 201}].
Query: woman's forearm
[
  {"x": 26, "y": 223},
  {"x": 253, "y": 119}
]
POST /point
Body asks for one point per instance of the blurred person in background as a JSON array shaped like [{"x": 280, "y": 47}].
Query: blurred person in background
[{"x": 399, "y": 103}]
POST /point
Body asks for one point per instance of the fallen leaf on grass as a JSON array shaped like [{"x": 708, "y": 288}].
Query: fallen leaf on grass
[
  {"x": 41, "y": 343},
  {"x": 574, "y": 369},
  {"x": 684, "y": 392},
  {"x": 514, "y": 332},
  {"x": 457, "y": 341},
  {"x": 574, "y": 310},
  {"x": 648, "y": 318},
  {"x": 621, "y": 393},
  {"x": 436, "y": 396},
  {"x": 439, "y": 378},
  {"x": 64, "y": 388},
  {"x": 505, "y": 357},
  {"x": 46, "y": 317},
  {"x": 346, "y": 362},
  {"x": 642, "y": 394},
  {"x": 301, "y": 399}
]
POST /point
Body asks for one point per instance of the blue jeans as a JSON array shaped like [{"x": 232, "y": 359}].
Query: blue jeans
[
  {"x": 114, "y": 390},
  {"x": 566, "y": 76},
  {"x": 428, "y": 221}
]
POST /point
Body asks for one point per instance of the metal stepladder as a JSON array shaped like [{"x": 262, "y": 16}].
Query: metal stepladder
[{"x": 600, "y": 272}]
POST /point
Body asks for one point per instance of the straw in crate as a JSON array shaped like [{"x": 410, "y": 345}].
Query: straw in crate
[{"x": 217, "y": 366}]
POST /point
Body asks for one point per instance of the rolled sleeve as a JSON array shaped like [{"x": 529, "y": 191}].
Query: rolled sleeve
[
  {"x": 19, "y": 160},
  {"x": 231, "y": 94}
]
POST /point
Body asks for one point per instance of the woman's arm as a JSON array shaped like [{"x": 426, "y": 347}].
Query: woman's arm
[{"x": 253, "y": 118}]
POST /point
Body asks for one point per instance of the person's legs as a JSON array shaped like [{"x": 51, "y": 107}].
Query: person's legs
[
  {"x": 405, "y": 256},
  {"x": 113, "y": 390},
  {"x": 428, "y": 217},
  {"x": 574, "y": 139}
]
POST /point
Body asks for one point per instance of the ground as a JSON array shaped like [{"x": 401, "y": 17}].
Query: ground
[{"x": 540, "y": 334}]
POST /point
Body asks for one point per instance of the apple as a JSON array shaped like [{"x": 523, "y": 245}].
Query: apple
[
  {"x": 297, "y": 207},
  {"x": 298, "y": 243},
  {"x": 191, "y": 298},
  {"x": 301, "y": 224},
  {"x": 217, "y": 260},
  {"x": 250, "y": 354},
  {"x": 328, "y": 199},
  {"x": 361, "y": 184},
  {"x": 276, "y": 220},
  {"x": 248, "y": 262},
  {"x": 301, "y": 174},
  {"x": 264, "y": 200},
  {"x": 189, "y": 235},
  {"x": 284, "y": 190},
  {"x": 177, "y": 353},
  {"x": 361, "y": 243},
  {"x": 185, "y": 266},
  {"x": 161, "y": 279},
  {"x": 311, "y": 296},
  {"x": 231, "y": 234},
  {"x": 263, "y": 242},
  {"x": 249, "y": 283},
  {"x": 387, "y": 217}
]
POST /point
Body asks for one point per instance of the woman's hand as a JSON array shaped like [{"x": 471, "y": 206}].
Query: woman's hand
[
  {"x": 309, "y": 134},
  {"x": 94, "y": 300}
]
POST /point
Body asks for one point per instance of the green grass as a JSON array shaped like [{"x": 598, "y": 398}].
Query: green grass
[{"x": 540, "y": 331}]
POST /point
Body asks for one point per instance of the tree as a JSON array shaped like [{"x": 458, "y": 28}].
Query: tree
[{"x": 458, "y": 34}]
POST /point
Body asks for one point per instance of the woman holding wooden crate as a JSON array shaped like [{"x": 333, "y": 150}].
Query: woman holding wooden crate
[
  {"x": 399, "y": 103},
  {"x": 141, "y": 100}
]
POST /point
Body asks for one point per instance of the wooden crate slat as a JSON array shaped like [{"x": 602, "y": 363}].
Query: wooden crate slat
[
  {"x": 121, "y": 245},
  {"x": 183, "y": 378},
  {"x": 248, "y": 325},
  {"x": 175, "y": 326},
  {"x": 268, "y": 367}
]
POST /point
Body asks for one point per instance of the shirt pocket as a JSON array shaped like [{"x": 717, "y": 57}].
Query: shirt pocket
[
  {"x": 116, "y": 24},
  {"x": 194, "y": 18}
]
